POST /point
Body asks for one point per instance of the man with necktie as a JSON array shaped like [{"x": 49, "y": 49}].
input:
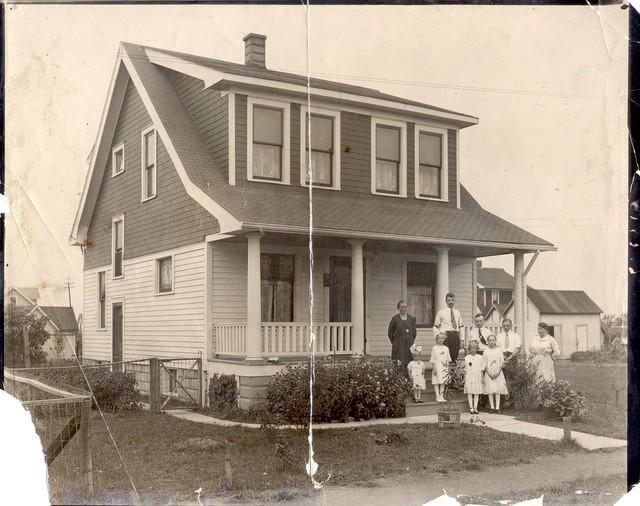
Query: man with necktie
[
  {"x": 449, "y": 321},
  {"x": 479, "y": 333},
  {"x": 508, "y": 340}
]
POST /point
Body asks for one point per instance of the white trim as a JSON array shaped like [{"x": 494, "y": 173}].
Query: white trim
[
  {"x": 115, "y": 219},
  {"x": 156, "y": 275},
  {"x": 208, "y": 299},
  {"x": 458, "y": 172},
  {"x": 335, "y": 162},
  {"x": 444, "y": 176},
  {"x": 114, "y": 172},
  {"x": 23, "y": 295},
  {"x": 285, "y": 176},
  {"x": 217, "y": 237},
  {"x": 231, "y": 102},
  {"x": 213, "y": 77},
  {"x": 98, "y": 310},
  {"x": 116, "y": 301},
  {"x": 402, "y": 167},
  {"x": 143, "y": 163}
]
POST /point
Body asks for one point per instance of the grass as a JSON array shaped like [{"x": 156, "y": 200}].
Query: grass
[
  {"x": 597, "y": 382},
  {"x": 168, "y": 458},
  {"x": 600, "y": 491}
]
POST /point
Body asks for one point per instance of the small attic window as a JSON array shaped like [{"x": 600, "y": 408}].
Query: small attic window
[{"x": 117, "y": 160}]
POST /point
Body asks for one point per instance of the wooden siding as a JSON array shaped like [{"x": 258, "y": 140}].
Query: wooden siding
[
  {"x": 210, "y": 113},
  {"x": 355, "y": 157},
  {"x": 170, "y": 220},
  {"x": 295, "y": 145},
  {"x": 241, "y": 139},
  {"x": 169, "y": 325},
  {"x": 385, "y": 288},
  {"x": 452, "y": 142}
]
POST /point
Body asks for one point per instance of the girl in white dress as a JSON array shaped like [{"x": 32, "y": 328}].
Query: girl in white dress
[
  {"x": 416, "y": 370},
  {"x": 494, "y": 383},
  {"x": 473, "y": 377},
  {"x": 542, "y": 348},
  {"x": 440, "y": 358}
]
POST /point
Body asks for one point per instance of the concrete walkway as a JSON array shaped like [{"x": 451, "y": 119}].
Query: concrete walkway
[{"x": 502, "y": 423}]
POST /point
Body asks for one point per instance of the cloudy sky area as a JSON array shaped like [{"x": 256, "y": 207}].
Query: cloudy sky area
[{"x": 548, "y": 84}]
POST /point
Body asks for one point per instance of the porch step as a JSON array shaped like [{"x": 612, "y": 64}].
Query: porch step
[{"x": 432, "y": 407}]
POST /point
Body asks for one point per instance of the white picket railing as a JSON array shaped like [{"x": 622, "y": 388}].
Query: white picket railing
[{"x": 283, "y": 338}]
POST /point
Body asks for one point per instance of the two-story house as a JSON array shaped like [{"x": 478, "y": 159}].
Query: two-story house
[{"x": 195, "y": 216}]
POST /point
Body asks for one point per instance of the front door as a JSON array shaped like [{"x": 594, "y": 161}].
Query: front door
[
  {"x": 116, "y": 334},
  {"x": 340, "y": 289},
  {"x": 582, "y": 338}
]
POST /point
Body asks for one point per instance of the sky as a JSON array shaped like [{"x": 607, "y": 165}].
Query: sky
[{"x": 549, "y": 85}]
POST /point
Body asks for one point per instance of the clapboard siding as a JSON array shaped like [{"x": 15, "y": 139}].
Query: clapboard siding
[
  {"x": 154, "y": 325},
  {"x": 355, "y": 158},
  {"x": 241, "y": 139},
  {"x": 385, "y": 288},
  {"x": 452, "y": 142},
  {"x": 170, "y": 220},
  {"x": 210, "y": 114},
  {"x": 295, "y": 145}
]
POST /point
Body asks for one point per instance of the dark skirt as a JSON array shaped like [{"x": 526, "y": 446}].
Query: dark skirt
[{"x": 400, "y": 350}]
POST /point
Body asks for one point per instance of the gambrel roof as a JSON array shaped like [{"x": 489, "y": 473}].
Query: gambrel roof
[{"x": 283, "y": 208}]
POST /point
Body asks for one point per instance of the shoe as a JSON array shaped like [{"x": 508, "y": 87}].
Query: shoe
[
  {"x": 491, "y": 410},
  {"x": 472, "y": 412},
  {"x": 476, "y": 412},
  {"x": 498, "y": 412}
]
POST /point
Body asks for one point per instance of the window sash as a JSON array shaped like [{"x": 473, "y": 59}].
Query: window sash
[
  {"x": 387, "y": 176},
  {"x": 165, "y": 275},
  {"x": 118, "y": 161},
  {"x": 322, "y": 150},
  {"x": 118, "y": 248},
  {"x": 430, "y": 181},
  {"x": 277, "y": 276},
  {"x": 388, "y": 156},
  {"x": 102, "y": 300},
  {"x": 421, "y": 286}
]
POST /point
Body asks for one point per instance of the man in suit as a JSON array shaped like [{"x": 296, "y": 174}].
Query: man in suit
[{"x": 479, "y": 333}]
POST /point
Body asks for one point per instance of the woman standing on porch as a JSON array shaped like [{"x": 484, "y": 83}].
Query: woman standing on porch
[{"x": 402, "y": 334}]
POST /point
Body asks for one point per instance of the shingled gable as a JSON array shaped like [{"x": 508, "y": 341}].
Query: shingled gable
[{"x": 284, "y": 208}]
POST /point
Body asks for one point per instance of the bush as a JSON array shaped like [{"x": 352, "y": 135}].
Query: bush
[
  {"x": 223, "y": 392},
  {"x": 360, "y": 390},
  {"x": 559, "y": 397},
  {"x": 610, "y": 353},
  {"x": 113, "y": 390},
  {"x": 522, "y": 380},
  {"x": 583, "y": 356}
]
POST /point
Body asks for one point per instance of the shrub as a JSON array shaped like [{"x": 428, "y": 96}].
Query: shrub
[
  {"x": 113, "y": 390},
  {"x": 610, "y": 353},
  {"x": 561, "y": 398},
  {"x": 223, "y": 392},
  {"x": 358, "y": 389},
  {"x": 522, "y": 380},
  {"x": 16, "y": 319}
]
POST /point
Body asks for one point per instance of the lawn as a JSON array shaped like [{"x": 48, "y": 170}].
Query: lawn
[
  {"x": 597, "y": 382},
  {"x": 168, "y": 459}
]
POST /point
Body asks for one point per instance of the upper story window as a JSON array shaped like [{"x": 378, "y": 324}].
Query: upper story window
[
  {"x": 431, "y": 163},
  {"x": 268, "y": 141},
  {"x": 164, "y": 275},
  {"x": 388, "y": 156},
  {"x": 102, "y": 300},
  {"x": 322, "y": 148},
  {"x": 117, "y": 241},
  {"x": 117, "y": 160},
  {"x": 149, "y": 168}
]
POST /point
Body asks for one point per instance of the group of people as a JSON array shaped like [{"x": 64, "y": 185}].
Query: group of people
[{"x": 485, "y": 357}]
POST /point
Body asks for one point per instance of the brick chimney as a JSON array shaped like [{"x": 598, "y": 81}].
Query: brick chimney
[{"x": 254, "y": 50}]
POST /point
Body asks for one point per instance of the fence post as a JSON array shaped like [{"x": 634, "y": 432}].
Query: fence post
[
  {"x": 201, "y": 382},
  {"x": 154, "y": 385},
  {"x": 25, "y": 342},
  {"x": 86, "y": 466}
]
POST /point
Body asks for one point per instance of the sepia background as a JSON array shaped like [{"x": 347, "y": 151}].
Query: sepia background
[{"x": 548, "y": 84}]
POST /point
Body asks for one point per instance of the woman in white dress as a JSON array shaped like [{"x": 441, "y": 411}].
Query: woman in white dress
[
  {"x": 543, "y": 348},
  {"x": 494, "y": 383}
]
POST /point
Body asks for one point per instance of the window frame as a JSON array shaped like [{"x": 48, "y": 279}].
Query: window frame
[
  {"x": 144, "y": 165},
  {"x": 285, "y": 107},
  {"x": 114, "y": 220},
  {"x": 402, "y": 166},
  {"x": 419, "y": 325},
  {"x": 444, "y": 175},
  {"x": 100, "y": 312},
  {"x": 292, "y": 281},
  {"x": 116, "y": 149},
  {"x": 335, "y": 158},
  {"x": 156, "y": 276}
]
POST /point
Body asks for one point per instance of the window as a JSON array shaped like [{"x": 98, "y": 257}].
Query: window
[
  {"x": 117, "y": 240},
  {"x": 277, "y": 276},
  {"x": 505, "y": 296},
  {"x": 117, "y": 160},
  {"x": 164, "y": 275},
  {"x": 324, "y": 150},
  {"x": 388, "y": 148},
  {"x": 149, "y": 169},
  {"x": 430, "y": 163},
  {"x": 421, "y": 286},
  {"x": 102, "y": 300},
  {"x": 268, "y": 141}
]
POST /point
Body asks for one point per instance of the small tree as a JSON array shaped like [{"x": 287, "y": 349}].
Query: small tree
[{"x": 15, "y": 321}]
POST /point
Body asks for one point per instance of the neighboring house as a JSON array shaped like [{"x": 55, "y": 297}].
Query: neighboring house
[
  {"x": 494, "y": 286},
  {"x": 194, "y": 217},
  {"x": 574, "y": 318},
  {"x": 61, "y": 321}
]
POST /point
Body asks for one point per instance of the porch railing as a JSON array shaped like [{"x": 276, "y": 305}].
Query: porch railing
[{"x": 283, "y": 338}]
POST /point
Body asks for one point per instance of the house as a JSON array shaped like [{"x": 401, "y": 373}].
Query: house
[
  {"x": 61, "y": 321},
  {"x": 574, "y": 318},
  {"x": 494, "y": 286},
  {"x": 194, "y": 218}
]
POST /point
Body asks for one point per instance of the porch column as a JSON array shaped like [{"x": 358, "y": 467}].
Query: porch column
[
  {"x": 254, "y": 302},
  {"x": 442, "y": 276},
  {"x": 357, "y": 297},
  {"x": 518, "y": 294}
]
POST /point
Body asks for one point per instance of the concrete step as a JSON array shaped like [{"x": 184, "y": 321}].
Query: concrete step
[{"x": 432, "y": 407}]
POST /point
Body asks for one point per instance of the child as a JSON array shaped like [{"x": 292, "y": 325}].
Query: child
[
  {"x": 473, "y": 377},
  {"x": 494, "y": 383},
  {"x": 440, "y": 358},
  {"x": 416, "y": 370}
]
